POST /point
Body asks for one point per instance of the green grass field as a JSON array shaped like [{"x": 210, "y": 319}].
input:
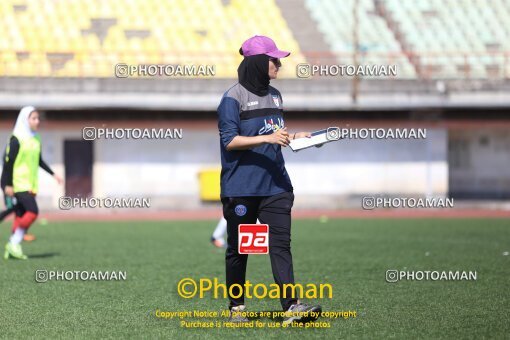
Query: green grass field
[{"x": 352, "y": 255}]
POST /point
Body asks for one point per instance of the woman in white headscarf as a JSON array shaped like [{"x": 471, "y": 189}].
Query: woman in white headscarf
[{"x": 20, "y": 180}]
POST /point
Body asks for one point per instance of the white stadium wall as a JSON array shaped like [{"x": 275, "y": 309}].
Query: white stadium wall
[
  {"x": 479, "y": 162},
  {"x": 333, "y": 176}
]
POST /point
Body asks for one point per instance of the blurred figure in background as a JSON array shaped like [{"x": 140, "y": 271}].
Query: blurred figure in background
[
  {"x": 10, "y": 202},
  {"x": 217, "y": 238},
  {"x": 20, "y": 180}
]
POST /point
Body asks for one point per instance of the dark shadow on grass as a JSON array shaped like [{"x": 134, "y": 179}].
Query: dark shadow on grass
[{"x": 43, "y": 256}]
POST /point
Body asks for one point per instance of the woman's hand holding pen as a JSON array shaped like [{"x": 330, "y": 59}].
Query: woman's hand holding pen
[
  {"x": 280, "y": 137},
  {"x": 283, "y": 138}
]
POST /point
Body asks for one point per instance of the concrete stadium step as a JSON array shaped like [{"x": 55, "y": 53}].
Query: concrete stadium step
[{"x": 305, "y": 30}]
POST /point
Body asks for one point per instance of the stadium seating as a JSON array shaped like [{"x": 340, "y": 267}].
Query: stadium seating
[
  {"x": 427, "y": 39},
  {"x": 465, "y": 32},
  {"x": 440, "y": 38},
  {"x": 86, "y": 38},
  {"x": 375, "y": 40}
]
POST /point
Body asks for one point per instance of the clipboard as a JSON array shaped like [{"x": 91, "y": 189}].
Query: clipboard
[{"x": 317, "y": 139}]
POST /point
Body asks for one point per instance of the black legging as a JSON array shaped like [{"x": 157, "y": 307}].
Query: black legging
[
  {"x": 274, "y": 211},
  {"x": 25, "y": 202}
]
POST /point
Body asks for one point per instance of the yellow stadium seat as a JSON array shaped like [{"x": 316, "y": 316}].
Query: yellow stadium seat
[{"x": 180, "y": 31}]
